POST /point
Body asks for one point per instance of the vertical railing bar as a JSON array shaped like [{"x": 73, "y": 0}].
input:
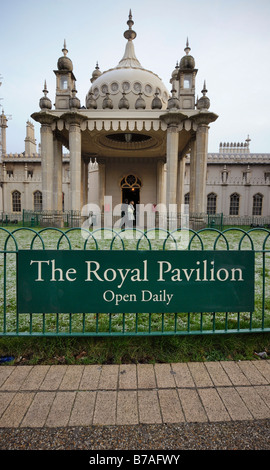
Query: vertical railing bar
[
  {"x": 175, "y": 322},
  {"x": 97, "y": 326},
  {"x": 57, "y": 323},
  {"x": 31, "y": 323},
  {"x": 149, "y": 323},
  {"x": 226, "y": 321},
  {"x": 43, "y": 323},
  {"x": 110, "y": 322},
  {"x": 83, "y": 323},
  {"x": 136, "y": 323},
  {"x": 188, "y": 324},
  {"x": 214, "y": 322},
  {"x": 124, "y": 323},
  {"x": 201, "y": 321},
  {"x": 238, "y": 321},
  {"x": 162, "y": 322},
  {"x": 263, "y": 292},
  {"x": 70, "y": 323},
  {"x": 5, "y": 293}
]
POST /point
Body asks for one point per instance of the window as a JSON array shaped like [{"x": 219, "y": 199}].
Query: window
[
  {"x": 186, "y": 198},
  {"x": 16, "y": 201},
  {"x": 9, "y": 173},
  {"x": 211, "y": 203},
  {"x": 257, "y": 204},
  {"x": 30, "y": 173},
  {"x": 187, "y": 82},
  {"x": 234, "y": 204},
  {"x": 63, "y": 83},
  {"x": 37, "y": 201}
]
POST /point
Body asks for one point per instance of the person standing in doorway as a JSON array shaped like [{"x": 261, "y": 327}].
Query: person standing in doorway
[{"x": 131, "y": 217}]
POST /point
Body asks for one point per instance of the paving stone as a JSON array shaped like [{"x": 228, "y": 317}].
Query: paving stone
[
  {"x": 171, "y": 410},
  {"x": 200, "y": 374},
  {"x": 72, "y": 378},
  {"x": 213, "y": 405},
  {"x": 164, "y": 376},
  {"x": 264, "y": 367},
  {"x": 217, "y": 374},
  {"x": 53, "y": 378},
  {"x": 127, "y": 407},
  {"x": 105, "y": 409},
  {"x": 90, "y": 377},
  {"x": 182, "y": 375},
  {"x": 234, "y": 403},
  {"x": 146, "y": 376},
  {"x": 192, "y": 405},
  {"x": 128, "y": 376},
  {"x": 5, "y": 399},
  {"x": 60, "y": 410},
  {"x": 83, "y": 409},
  {"x": 254, "y": 402},
  {"x": 264, "y": 392},
  {"x": 252, "y": 373},
  {"x": 35, "y": 378},
  {"x": 235, "y": 373},
  {"x": 5, "y": 373},
  {"x": 16, "y": 410},
  {"x": 149, "y": 410},
  {"x": 109, "y": 377},
  {"x": 39, "y": 409},
  {"x": 16, "y": 378}
]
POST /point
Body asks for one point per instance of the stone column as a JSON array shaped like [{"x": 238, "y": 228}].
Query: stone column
[
  {"x": 75, "y": 165},
  {"x": 160, "y": 182},
  {"x": 181, "y": 181},
  {"x": 57, "y": 177},
  {"x": 172, "y": 163},
  {"x": 200, "y": 168},
  {"x": 47, "y": 164},
  {"x": 101, "y": 183},
  {"x": 198, "y": 162},
  {"x": 84, "y": 180}
]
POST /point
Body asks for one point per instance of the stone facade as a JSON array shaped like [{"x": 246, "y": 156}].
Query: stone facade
[{"x": 132, "y": 139}]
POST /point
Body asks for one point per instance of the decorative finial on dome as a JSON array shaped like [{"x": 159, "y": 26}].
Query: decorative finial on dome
[
  {"x": 130, "y": 34},
  {"x": 140, "y": 102},
  {"x": 156, "y": 102},
  {"x": 123, "y": 103},
  {"x": 91, "y": 102},
  {"x": 74, "y": 102},
  {"x": 64, "y": 50},
  {"x": 203, "y": 102},
  {"x": 107, "y": 102},
  {"x": 96, "y": 73},
  {"x": 187, "y": 48},
  {"x": 45, "y": 102},
  {"x": 173, "y": 102}
]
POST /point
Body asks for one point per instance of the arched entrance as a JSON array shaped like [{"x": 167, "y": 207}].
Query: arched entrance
[{"x": 131, "y": 186}]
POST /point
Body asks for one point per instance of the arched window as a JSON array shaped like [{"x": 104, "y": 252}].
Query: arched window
[
  {"x": 130, "y": 181},
  {"x": 257, "y": 204},
  {"x": 16, "y": 201},
  {"x": 186, "y": 198},
  {"x": 234, "y": 204},
  {"x": 211, "y": 203},
  {"x": 37, "y": 201}
]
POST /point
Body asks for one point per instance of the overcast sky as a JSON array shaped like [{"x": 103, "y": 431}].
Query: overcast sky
[{"x": 229, "y": 40}]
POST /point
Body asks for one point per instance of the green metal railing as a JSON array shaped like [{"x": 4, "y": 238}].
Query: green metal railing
[{"x": 129, "y": 324}]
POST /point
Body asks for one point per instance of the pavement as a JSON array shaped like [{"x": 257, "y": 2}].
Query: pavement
[{"x": 53, "y": 396}]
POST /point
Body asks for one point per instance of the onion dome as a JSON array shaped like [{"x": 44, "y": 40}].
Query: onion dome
[
  {"x": 156, "y": 103},
  {"x": 187, "y": 62},
  {"x": 175, "y": 72},
  {"x": 173, "y": 102},
  {"x": 203, "y": 102},
  {"x": 74, "y": 102},
  {"x": 123, "y": 103},
  {"x": 91, "y": 102},
  {"x": 95, "y": 74},
  {"x": 140, "y": 102},
  {"x": 64, "y": 63},
  {"x": 45, "y": 102},
  {"x": 107, "y": 102},
  {"x": 130, "y": 77}
]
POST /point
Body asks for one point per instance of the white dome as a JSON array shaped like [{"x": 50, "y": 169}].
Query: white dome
[{"x": 130, "y": 78}]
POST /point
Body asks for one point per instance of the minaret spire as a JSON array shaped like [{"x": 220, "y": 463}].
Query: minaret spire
[
  {"x": 129, "y": 59},
  {"x": 129, "y": 34}
]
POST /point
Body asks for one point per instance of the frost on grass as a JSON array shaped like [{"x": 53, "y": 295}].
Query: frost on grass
[{"x": 91, "y": 323}]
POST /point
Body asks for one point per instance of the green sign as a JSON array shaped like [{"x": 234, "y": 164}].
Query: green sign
[{"x": 80, "y": 281}]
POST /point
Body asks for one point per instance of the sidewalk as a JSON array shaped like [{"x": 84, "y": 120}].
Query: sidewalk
[{"x": 64, "y": 396}]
